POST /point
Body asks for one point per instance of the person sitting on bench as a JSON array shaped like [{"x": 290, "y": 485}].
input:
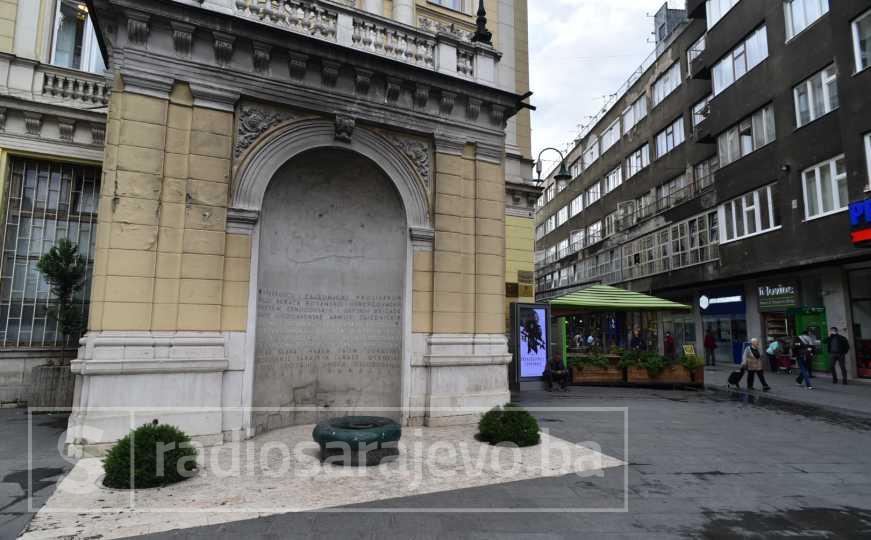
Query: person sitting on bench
[{"x": 555, "y": 371}]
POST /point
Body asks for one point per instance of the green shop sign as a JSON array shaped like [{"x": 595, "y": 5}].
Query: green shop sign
[{"x": 777, "y": 297}]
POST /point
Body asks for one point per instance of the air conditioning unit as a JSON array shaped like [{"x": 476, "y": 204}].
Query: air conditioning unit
[{"x": 625, "y": 215}]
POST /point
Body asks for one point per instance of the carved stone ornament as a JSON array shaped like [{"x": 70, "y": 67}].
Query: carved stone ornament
[
  {"x": 417, "y": 152},
  {"x": 253, "y": 122},
  {"x": 497, "y": 114},
  {"x": 473, "y": 108},
  {"x": 137, "y": 27},
  {"x": 223, "y": 46},
  {"x": 182, "y": 38},
  {"x": 433, "y": 25},
  {"x": 446, "y": 104},
  {"x": 262, "y": 57},
  {"x": 421, "y": 95},
  {"x": 33, "y": 123},
  {"x": 98, "y": 133},
  {"x": 298, "y": 65},
  {"x": 344, "y": 128},
  {"x": 67, "y": 128},
  {"x": 394, "y": 86},
  {"x": 329, "y": 72},
  {"x": 362, "y": 80}
]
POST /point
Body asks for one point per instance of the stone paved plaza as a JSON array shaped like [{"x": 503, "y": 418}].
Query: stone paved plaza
[{"x": 702, "y": 464}]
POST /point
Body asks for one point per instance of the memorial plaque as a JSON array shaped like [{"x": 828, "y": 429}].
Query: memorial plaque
[{"x": 331, "y": 269}]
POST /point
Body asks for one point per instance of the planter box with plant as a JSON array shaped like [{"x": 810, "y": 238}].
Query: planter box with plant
[
  {"x": 595, "y": 368},
  {"x": 650, "y": 368}
]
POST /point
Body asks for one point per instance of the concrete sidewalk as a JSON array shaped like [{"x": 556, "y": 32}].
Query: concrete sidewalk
[{"x": 854, "y": 398}]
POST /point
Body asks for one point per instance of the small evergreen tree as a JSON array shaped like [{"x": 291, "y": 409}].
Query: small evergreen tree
[{"x": 64, "y": 270}]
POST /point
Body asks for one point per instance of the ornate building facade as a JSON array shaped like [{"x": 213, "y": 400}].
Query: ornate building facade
[{"x": 302, "y": 212}]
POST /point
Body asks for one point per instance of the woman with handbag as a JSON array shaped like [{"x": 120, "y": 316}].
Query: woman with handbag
[{"x": 752, "y": 362}]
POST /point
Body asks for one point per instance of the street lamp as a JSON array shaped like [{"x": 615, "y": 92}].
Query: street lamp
[{"x": 562, "y": 175}]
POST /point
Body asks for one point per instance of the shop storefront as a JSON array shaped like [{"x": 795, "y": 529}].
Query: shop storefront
[
  {"x": 860, "y": 293},
  {"x": 681, "y": 325},
  {"x": 724, "y": 315}
]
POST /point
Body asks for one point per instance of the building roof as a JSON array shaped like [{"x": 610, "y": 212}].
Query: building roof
[{"x": 607, "y": 298}]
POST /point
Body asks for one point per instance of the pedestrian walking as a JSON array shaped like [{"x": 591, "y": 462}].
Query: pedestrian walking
[
  {"x": 556, "y": 372},
  {"x": 710, "y": 349},
  {"x": 752, "y": 362},
  {"x": 804, "y": 355},
  {"x": 668, "y": 346},
  {"x": 838, "y": 347}
]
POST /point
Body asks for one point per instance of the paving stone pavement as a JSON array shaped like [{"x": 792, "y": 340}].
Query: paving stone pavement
[
  {"x": 48, "y": 466},
  {"x": 703, "y": 464}
]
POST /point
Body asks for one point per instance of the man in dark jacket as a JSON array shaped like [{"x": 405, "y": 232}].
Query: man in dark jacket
[
  {"x": 637, "y": 343},
  {"x": 555, "y": 371},
  {"x": 838, "y": 347}
]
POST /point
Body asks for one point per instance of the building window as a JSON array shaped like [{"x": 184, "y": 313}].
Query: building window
[
  {"x": 550, "y": 192},
  {"x": 637, "y": 161},
  {"x": 670, "y": 138},
  {"x": 563, "y": 248},
  {"x": 610, "y": 224},
  {"x": 750, "y": 214},
  {"x": 576, "y": 169},
  {"x": 593, "y": 193},
  {"x": 576, "y": 206},
  {"x": 696, "y": 49},
  {"x": 683, "y": 244},
  {"x": 740, "y": 60},
  {"x": 717, "y": 9},
  {"x": 747, "y": 136},
  {"x": 672, "y": 193},
  {"x": 463, "y": 6},
  {"x": 816, "y": 96},
  {"x": 646, "y": 205},
  {"x": 562, "y": 216},
  {"x": 666, "y": 84},
  {"x": 594, "y": 233},
  {"x": 591, "y": 154},
  {"x": 802, "y": 13},
  {"x": 550, "y": 257},
  {"x": 45, "y": 201},
  {"x": 549, "y": 224},
  {"x": 611, "y": 136},
  {"x": 75, "y": 41},
  {"x": 539, "y": 232},
  {"x": 862, "y": 41},
  {"x": 613, "y": 180},
  {"x": 577, "y": 238},
  {"x": 701, "y": 111},
  {"x": 825, "y": 188},
  {"x": 634, "y": 113},
  {"x": 868, "y": 157},
  {"x": 704, "y": 172}
]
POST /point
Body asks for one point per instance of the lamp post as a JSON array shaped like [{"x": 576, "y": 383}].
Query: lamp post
[{"x": 562, "y": 175}]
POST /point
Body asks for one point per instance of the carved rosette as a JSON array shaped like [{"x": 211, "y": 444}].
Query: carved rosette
[
  {"x": 344, "y": 128},
  {"x": 418, "y": 153}
]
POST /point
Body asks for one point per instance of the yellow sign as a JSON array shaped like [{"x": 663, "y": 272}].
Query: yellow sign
[{"x": 689, "y": 350}]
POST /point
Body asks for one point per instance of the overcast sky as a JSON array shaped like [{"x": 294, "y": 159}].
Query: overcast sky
[{"x": 580, "y": 51}]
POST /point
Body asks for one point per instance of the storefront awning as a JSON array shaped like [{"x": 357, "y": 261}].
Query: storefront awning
[{"x": 607, "y": 298}]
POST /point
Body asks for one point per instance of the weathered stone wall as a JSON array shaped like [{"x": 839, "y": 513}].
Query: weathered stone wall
[{"x": 161, "y": 242}]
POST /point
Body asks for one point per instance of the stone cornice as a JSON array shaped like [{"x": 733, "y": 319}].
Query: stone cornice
[{"x": 211, "y": 97}]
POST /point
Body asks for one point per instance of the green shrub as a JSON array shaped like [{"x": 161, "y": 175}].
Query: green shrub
[
  {"x": 630, "y": 359},
  {"x": 509, "y": 424},
  {"x": 615, "y": 350},
  {"x": 653, "y": 363},
  {"x": 692, "y": 363},
  {"x": 593, "y": 360},
  {"x": 162, "y": 455}
]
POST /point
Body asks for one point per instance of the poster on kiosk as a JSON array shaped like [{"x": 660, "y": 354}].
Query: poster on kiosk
[{"x": 530, "y": 331}]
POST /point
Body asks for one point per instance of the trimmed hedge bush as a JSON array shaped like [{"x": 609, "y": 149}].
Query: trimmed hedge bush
[
  {"x": 162, "y": 455},
  {"x": 509, "y": 424}
]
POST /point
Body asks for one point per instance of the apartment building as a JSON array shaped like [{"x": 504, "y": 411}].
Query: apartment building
[
  {"x": 722, "y": 174},
  {"x": 53, "y": 96}
]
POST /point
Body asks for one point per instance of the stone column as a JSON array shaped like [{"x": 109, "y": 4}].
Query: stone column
[
  {"x": 403, "y": 11},
  {"x": 374, "y": 6}
]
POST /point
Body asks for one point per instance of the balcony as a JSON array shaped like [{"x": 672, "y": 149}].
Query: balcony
[
  {"x": 432, "y": 49},
  {"x": 699, "y": 68},
  {"x": 702, "y": 132},
  {"x": 72, "y": 87},
  {"x": 696, "y": 9}
]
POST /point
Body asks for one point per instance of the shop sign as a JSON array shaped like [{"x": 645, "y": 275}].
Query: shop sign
[
  {"x": 860, "y": 223},
  {"x": 777, "y": 297},
  {"x": 722, "y": 302}
]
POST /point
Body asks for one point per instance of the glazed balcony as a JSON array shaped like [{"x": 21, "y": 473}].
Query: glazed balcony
[{"x": 442, "y": 50}]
